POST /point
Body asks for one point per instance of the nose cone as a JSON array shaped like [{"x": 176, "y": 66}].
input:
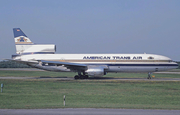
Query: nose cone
[{"x": 175, "y": 65}]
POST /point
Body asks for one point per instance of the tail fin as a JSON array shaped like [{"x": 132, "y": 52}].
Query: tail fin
[
  {"x": 20, "y": 37},
  {"x": 25, "y": 46}
]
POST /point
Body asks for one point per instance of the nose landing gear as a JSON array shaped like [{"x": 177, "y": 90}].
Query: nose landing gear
[{"x": 149, "y": 75}]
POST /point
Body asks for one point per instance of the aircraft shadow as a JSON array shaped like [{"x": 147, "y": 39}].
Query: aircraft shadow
[
  {"x": 52, "y": 77},
  {"x": 113, "y": 78},
  {"x": 90, "y": 78}
]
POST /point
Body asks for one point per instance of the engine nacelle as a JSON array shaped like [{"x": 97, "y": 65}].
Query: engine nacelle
[
  {"x": 95, "y": 71},
  {"x": 35, "y": 48}
]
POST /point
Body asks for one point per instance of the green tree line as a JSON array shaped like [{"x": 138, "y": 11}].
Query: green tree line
[{"x": 12, "y": 64}]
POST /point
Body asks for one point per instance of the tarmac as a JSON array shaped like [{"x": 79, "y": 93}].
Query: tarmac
[
  {"x": 87, "y": 111},
  {"x": 92, "y": 78}
]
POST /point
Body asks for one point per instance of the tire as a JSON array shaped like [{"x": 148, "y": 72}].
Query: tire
[
  {"x": 76, "y": 77},
  {"x": 86, "y": 76},
  {"x": 82, "y": 77}
]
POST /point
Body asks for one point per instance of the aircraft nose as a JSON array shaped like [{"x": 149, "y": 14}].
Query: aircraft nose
[{"x": 176, "y": 64}]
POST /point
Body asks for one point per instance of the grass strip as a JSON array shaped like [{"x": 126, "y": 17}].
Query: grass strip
[{"x": 35, "y": 94}]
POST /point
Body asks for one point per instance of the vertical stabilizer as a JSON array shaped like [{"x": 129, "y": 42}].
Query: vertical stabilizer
[
  {"x": 20, "y": 37},
  {"x": 21, "y": 40},
  {"x": 25, "y": 46}
]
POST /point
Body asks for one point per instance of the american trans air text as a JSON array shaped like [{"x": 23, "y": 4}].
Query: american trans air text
[{"x": 112, "y": 57}]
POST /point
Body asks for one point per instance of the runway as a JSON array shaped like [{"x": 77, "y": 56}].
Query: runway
[
  {"x": 87, "y": 111},
  {"x": 92, "y": 78}
]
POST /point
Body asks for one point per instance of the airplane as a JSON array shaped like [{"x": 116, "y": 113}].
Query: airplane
[{"x": 42, "y": 56}]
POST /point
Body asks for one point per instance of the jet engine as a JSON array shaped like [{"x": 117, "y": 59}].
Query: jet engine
[
  {"x": 43, "y": 48},
  {"x": 96, "y": 71}
]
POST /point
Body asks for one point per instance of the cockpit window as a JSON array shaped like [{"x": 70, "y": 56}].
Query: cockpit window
[{"x": 150, "y": 57}]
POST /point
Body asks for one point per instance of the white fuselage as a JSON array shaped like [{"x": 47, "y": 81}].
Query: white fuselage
[
  {"x": 42, "y": 56},
  {"x": 111, "y": 62}
]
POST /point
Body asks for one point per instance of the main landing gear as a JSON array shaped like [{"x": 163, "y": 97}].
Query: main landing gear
[
  {"x": 149, "y": 75},
  {"x": 79, "y": 76}
]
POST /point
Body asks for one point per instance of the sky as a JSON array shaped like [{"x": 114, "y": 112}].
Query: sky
[{"x": 94, "y": 26}]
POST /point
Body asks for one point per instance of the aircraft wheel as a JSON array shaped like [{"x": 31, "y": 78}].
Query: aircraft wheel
[
  {"x": 149, "y": 76},
  {"x": 86, "y": 76},
  {"x": 76, "y": 77},
  {"x": 82, "y": 77}
]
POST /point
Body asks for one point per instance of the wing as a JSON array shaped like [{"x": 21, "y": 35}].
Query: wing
[{"x": 72, "y": 66}]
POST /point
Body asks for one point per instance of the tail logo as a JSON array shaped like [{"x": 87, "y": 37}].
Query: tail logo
[{"x": 22, "y": 39}]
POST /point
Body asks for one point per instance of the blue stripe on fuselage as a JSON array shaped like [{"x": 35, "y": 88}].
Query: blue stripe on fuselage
[{"x": 142, "y": 65}]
